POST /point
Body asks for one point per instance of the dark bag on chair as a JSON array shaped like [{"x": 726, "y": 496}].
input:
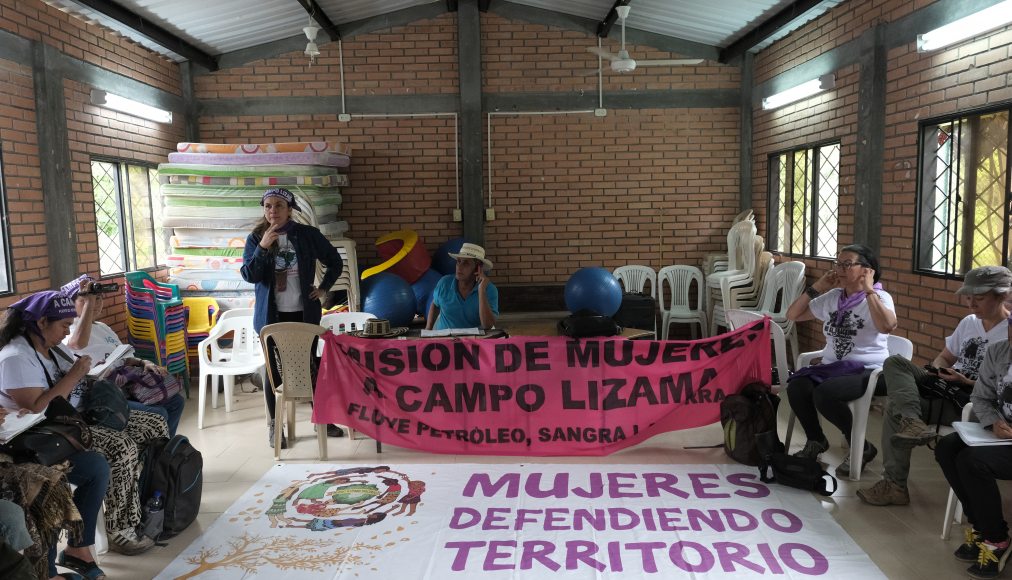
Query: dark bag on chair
[
  {"x": 775, "y": 466},
  {"x": 938, "y": 388},
  {"x": 744, "y": 415},
  {"x": 145, "y": 387},
  {"x": 586, "y": 323},
  {"x": 638, "y": 310},
  {"x": 62, "y": 434},
  {"x": 105, "y": 405}
]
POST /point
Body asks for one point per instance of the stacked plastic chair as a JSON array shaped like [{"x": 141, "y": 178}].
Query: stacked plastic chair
[
  {"x": 202, "y": 314},
  {"x": 156, "y": 323}
]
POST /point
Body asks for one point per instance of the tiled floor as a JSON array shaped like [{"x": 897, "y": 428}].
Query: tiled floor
[{"x": 903, "y": 541}]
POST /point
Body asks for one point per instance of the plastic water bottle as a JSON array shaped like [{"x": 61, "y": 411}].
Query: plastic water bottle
[{"x": 154, "y": 516}]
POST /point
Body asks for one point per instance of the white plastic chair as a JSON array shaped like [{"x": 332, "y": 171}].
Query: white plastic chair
[
  {"x": 860, "y": 407},
  {"x": 677, "y": 309},
  {"x": 953, "y": 507},
  {"x": 634, "y": 278},
  {"x": 741, "y": 259},
  {"x": 782, "y": 285},
  {"x": 236, "y": 313},
  {"x": 243, "y": 358},
  {"x": 737, "y": 318},
  {"x": 341, "y": 323},
  {"x": 745, "y": 296}
]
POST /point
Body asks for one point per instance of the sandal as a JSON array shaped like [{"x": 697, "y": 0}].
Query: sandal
[{"x": 88, "y": 570}]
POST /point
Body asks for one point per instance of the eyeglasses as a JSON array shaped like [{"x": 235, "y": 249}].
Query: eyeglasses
[{"x": 847, "y": 265}]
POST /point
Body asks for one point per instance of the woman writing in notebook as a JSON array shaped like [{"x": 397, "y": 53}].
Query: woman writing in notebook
[{"x": 972, "y": 472}]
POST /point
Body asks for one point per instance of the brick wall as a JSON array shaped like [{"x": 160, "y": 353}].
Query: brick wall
[
  {"x": 644, "y": 186},
  {"x": 919, "y": 86}
]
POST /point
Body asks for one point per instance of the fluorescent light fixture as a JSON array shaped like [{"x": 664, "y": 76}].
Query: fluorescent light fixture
[
  {"x": 130, "y": 107},
  {"x": 802, "y": 91},
  {"x": 986, "y": 20}
]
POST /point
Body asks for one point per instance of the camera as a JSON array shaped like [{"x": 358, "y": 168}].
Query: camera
[{"x": 100, "y": 288}]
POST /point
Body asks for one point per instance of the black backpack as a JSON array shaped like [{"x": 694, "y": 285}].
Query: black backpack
[
  {"x": 744, "y": 415},
  {"x": 587, "y": 323},
  {"x": 175, "y": 468},
  {"x": 105, "y": 405},
  {"x": 775, "y": 466}
]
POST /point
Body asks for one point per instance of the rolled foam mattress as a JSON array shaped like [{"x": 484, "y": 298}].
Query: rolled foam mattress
[
  {"x": 325, "y": 158},
  {"x": 260, "y": 148}
]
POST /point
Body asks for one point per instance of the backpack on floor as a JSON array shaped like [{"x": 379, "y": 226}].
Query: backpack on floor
[
  {"x": 175, "y": 468},
  {"x": 751, "y": 411}
]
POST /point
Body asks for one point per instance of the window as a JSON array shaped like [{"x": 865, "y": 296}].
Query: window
[
  {"x": 128, "y": 215},
  {"x": 963, "y": 193},
  {"x": 6, "y": 271},
  {"x": 804, "y": 201}
]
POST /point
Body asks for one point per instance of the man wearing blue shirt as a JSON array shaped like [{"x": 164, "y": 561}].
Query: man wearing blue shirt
[{"x": 467, "y": 299}]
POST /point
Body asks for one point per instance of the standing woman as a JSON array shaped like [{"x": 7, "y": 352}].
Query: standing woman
[
  {"x": 280, "y": 259},
  {"x": 857, "y": 316}
]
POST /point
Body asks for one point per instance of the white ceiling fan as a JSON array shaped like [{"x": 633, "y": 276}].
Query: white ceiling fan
[{"x": 622, "y": 62}]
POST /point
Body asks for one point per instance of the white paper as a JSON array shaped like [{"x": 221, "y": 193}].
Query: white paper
[
  {"x": 13, "y": 425},
  {"x": 452, "y": 332},
  {"x": 110, "y": 361},
  {"x": 974, "y": 434}
]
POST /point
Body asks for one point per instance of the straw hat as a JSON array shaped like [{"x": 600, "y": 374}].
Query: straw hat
[
  {"x": 378, "y": 328},
  {"x": 473, "y": 252}
]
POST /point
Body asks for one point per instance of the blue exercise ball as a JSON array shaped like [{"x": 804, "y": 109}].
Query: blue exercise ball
[
  {"x": 441, "y": 261},
  {"x": 594, "y": 289},
  {"x": 423, "y": 291},
  {"x": 386, "y": 295}
]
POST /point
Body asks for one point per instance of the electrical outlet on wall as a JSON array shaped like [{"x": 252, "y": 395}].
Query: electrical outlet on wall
[
  {"x": 457, "y": 215},
  {"x": 490, "y": 214},
  {"x": 344, "y": 117}
]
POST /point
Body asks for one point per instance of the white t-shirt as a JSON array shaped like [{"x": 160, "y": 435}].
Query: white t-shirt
[
  {"x": 102, "y": 342},
  {"x": 21, "y": 366},
  {"x": 289, "y": 299},
  {"x": 855, "y": 336},
  {"x": 969, "y": 342}
]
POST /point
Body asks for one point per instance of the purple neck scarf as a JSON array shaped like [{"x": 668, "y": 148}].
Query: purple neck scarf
[{"x": 847, "y": 303}]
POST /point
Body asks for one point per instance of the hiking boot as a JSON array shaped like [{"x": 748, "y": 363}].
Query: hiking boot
[
  {"x": 270, "y": 436},
  {"x": 884, "y": 492},
  {"x": 991, "y": 560},
  {"x": 128, "y": 543},
  {"x": 843, "y": 470},
  {"x": 912, "y": 432},
  {"x": 969, "y": 550},
  {"x": 813, "y": 449}
]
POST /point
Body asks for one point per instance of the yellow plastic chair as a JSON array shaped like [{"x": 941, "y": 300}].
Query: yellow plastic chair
[
  {"x": 293, "y": 346},
  {"x": 203, "y": 314}
]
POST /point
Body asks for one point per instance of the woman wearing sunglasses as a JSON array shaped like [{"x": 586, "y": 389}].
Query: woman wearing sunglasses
[{"x": 857, "y": 316}]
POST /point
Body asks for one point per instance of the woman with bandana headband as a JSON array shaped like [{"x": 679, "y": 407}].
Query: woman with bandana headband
[
  {"x": 973, "y": 472},
  {"x": 29, "y": 328},
  {"x": 280, "y": 259},
  {"x": 34, "y": 369},
  {"x": 857, "y": 316}
]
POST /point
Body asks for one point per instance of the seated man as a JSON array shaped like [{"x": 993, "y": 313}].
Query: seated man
[
  {"x": 90, "y": 337},
  {"x": 467, "y": 299},
  {"x": 903, "y": 428}
]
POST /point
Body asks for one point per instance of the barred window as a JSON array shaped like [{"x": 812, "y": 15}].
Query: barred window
[
  {"x": 6, "y": 271},
  {"x": 128, "y": 208},
  {"x": 963, "y": 193},
  {"x": 804, "y": 201}
]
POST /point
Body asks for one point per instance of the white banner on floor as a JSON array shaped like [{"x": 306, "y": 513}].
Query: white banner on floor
[{"x": 521, "y": 521}]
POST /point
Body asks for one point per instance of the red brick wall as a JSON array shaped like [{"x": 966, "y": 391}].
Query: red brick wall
[
  {"x": 638, "y": 186},
  {"x": 919, "y": 86},
  {"x": 35, "y": 20}
]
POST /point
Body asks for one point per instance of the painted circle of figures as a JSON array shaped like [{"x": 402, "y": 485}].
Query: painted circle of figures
[{"x": 345, "y": 498}]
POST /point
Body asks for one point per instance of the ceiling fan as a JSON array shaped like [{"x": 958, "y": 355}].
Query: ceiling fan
[{"x": 622, "y": 62}]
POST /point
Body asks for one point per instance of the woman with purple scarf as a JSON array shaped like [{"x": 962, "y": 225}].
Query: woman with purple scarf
[{"x": 857, "y": 316}]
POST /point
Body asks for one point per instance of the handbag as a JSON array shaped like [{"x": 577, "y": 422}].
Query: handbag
[
  {"x": 799, "y": 472},
  {"x": 933, "y": 387},
  {"x": 62, "y": 434},
  {"x": 145, "y": 387}
]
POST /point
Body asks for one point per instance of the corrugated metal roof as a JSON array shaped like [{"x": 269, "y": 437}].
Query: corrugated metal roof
[{"x": 222, "y": 26}]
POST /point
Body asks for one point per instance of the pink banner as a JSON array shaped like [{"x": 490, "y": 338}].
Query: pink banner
[{"x": 533, "y": 395}]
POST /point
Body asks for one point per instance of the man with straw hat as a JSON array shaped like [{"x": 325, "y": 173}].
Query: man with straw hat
[{"x": 466, "y": 299}]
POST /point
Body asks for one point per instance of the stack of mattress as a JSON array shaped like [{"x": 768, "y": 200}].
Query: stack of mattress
[{"x": 211, "y": 196}]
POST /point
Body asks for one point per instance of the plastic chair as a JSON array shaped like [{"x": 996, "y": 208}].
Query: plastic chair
[
  {"x": 245, "y": 357},
  {"x": 236, "y": 312},
  {"x": 679, "y": 279},
  {"x": 741, "y": 258},
  {"x": 736, "y": 318},
  {"x": 341, "y": 323},
  {"x": 953, "y": 507},
  {"x": 860, "y": 407},
  {"x": 781, "y": 286},
  {"x": 745, "y": 296},
  {"x": 293, "y": 342},
  {"x": 198, "y": 323},
  {"x": 635, "y": 278},
  {"x": 349, "y": 278}
]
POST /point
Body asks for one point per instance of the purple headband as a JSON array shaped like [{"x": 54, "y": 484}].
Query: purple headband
[
  {"x": 283, "y": 194},
  {"x": 73, "y": 288},
  {"x": 49, "y": 304}
]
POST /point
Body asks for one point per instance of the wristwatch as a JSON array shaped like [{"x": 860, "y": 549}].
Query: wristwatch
[{"x": 812, "y": 292}]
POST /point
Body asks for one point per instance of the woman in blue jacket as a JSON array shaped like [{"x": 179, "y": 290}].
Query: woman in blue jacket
[{"x": 280, "y": 259}]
